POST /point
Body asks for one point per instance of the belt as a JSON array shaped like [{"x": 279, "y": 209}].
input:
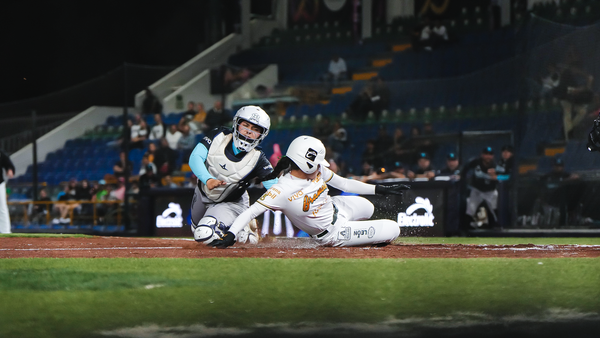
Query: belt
[{"x": 335, "y": 214}]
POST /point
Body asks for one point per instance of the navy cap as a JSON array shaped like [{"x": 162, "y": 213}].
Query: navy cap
[
  {"x": 451, "y": 156},
  {"x": 509, "y": 148},
  {"x": 424, "y": 155},
  {"x": 487, "y": 150}
]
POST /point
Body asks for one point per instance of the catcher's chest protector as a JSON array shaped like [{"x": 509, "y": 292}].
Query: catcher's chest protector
[{"x": 222, "y": 168}]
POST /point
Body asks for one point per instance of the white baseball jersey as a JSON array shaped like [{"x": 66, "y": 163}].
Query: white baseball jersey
[{"x": 310, "y": 208}]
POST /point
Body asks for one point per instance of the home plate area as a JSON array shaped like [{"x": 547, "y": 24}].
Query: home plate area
[{"x": 270, "y": 247}]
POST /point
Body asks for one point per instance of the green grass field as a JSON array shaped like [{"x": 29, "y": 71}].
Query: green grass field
[{"x": 81, "y": 297}]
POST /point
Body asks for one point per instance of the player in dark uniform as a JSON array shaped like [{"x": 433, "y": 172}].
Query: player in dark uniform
[
  {"x": 508, "y": 159},
  {"x": 483, "y": 187},
  {"x": 423, "y": 169},
  {"x": 452, "y": 168},
  {"x": 226, "y": 162}
]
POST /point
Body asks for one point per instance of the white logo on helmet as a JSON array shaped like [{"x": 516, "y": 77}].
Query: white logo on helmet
[{"x": 254, "y": 117}]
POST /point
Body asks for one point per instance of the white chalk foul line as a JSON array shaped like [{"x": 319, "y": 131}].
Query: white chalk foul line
[{"x": 115, "y": 248}]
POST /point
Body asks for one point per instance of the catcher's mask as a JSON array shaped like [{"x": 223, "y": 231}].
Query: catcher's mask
[{"x": 256, "y": 116}]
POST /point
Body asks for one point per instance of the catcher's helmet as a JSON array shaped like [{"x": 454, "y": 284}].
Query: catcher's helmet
[
  {"x": 307, "y": 152},
  {"x": 256, "y": 116}
]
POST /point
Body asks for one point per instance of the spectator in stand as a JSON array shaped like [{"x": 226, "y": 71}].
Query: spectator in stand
[
  {"x": 439, "y": 34},
  {"x": 147, "y": 164},
  {"x": 338, "y": 139},
  {"x": 380, "y": 96},
  {"x": 558, "y": 173},
  {"x": 101, "y": 192},
  {"x": 173, "y": 136},
  {"x": 150, "y": 151},
  {"x": 423, "y": 169},
  {"x": 5, "y": 165},
  {"x": 118, "y": 194},
  {"x": 217, "y": 116},
  {"x": 398, "y": 170},
  {"x": 191, "y": 181},
  {"x": 151, "y": 103},
  {"x": 83, "y": 192},
  {"x": 452, "y": 168},
  {"x": 196, "y": 122},
  {"x": 374, "y": 97},
  {"x": 64, "y": 209},
  {"x": 169, "y": 182},
  {"x": 428, "y": 144},
  {"x": 508, "y": 160},
  {"x": 361, "y": 105},
  {"x": 149, "y": 179},
  {"x": 276, "y": 156},
  {"x": 120, "y": 169},
  {"x": 39, "y": 211},
  {"x": 165, "y": 158},
  {"x": 371, "y": 156},
  {"x": 191, "y": 111},
  {"x": 323, "y": 129},
  {"x": 369, "y": 173},
  {"x": 139, "y": 135},
  {"x": 159, "y": 130},
  {"x": 421, "y": 36},
  {"x": 383, "y": 142},
  {"x": 186, "y": 143},
  {"x": 484, "y": 182},
  {"x": 575, "y": 93},
  {"x": 337, "y": 70}
]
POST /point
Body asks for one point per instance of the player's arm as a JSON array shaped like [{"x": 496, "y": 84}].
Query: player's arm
[
  {"x": 197, "y": 159},
  {"x": 262, "y": 169},
  {"x": 361, "y": 188}
]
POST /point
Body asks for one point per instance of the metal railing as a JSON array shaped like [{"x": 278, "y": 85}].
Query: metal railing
[
  {"x": 12, "y": 143},
  {"x": 101, "y": 212}
]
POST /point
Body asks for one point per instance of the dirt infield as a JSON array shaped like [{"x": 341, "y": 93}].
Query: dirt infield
[{"x": 108, "y": 247}]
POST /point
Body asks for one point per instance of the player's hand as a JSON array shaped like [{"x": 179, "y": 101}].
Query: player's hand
[
  {"x": 228, "y": 239},
  {"x": 395, "y": 189},
  {"x": 213, "y": 183}
]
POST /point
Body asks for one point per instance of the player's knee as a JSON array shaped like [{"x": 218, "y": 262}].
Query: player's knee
[
  {"x": 392, "y": 229},
  {"x": 206, "y": 230},
  {"x": 367, "y": 209}
]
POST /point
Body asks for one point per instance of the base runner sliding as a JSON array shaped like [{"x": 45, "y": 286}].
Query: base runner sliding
[{"x": 302, "y": 194}]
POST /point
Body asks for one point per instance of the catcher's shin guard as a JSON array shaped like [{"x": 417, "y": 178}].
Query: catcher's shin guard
[{"x": 207, "y": 230}]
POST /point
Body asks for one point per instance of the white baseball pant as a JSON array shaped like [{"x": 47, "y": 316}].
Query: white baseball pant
[
  {"x": 4, "y": 215},
  {"x": 351, "y": 229},
  {"x": 476, "y": 197}
]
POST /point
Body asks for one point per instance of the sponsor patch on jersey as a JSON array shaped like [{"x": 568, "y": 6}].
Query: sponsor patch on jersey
[
  {"x": 296, "y": 195},
  {"x": 344, "y": 234},
  {"x": 270, "y": 193}
]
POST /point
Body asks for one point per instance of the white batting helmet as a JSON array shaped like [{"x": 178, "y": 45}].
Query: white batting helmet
[
  {"x": 307, "y": 152},
  {"x": 256, "y": 116}
]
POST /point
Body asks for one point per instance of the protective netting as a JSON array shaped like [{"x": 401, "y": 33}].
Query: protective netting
[{"x": 110, "y": 89}]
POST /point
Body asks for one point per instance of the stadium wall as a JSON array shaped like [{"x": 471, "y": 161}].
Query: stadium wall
[
  {"x": 197, "y": 90},
  {"x": 268, "y": 78},
  {"x": 55, "y": 139}
]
